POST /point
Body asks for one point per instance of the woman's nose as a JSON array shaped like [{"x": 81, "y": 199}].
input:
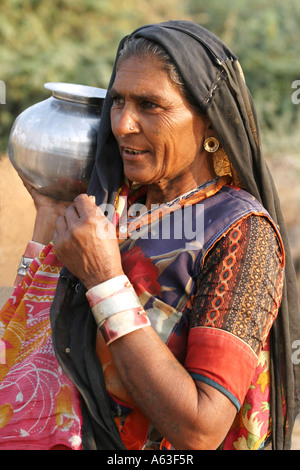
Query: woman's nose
[{"x": 124, "y": 122}]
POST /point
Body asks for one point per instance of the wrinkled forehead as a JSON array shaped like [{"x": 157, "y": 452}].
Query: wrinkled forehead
[{"x": 142, "y": 78}]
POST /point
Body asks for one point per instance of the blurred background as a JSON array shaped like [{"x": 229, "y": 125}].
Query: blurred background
[{"x": 76, "y": 40}]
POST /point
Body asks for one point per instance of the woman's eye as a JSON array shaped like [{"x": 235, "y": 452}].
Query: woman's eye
[
  {"x": 149, "y": 105},
  {"x": 117, "y": 101}
]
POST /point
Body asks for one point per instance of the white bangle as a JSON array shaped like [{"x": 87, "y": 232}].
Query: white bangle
[
  {"x": 108, "y": 288},
  {"x": 123, "y": 323},
  {"x": 111, "y": 297},
  {"x": 115, "y": 304}
]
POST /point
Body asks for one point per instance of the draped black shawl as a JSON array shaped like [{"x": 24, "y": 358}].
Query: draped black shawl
[{"x": 213, "y": 76}]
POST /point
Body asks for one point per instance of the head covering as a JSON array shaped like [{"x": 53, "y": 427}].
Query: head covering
[{"x": 213, "y": 76}]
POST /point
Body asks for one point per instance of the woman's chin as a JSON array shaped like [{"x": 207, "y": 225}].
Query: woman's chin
[{"x": 141, "y": 177}]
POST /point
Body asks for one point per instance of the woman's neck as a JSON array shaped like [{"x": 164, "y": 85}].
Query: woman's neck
[{"x": 165, "y": 191}]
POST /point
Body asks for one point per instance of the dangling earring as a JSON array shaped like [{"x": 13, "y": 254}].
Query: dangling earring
[
  {"x": 211, "y": 144},
  {"x": 222, "y": 165}
]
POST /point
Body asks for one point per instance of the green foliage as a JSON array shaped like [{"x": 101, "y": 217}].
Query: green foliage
[
  {"x": 264, "y": 34},
  {"x": 75, "y": 41},
  {"x": 65, "y": 41}
]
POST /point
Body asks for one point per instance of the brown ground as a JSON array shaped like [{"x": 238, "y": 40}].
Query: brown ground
[{"x": 17, "y": 214}]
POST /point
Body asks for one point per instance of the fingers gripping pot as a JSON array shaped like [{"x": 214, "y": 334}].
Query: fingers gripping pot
[{"x": 52, "y": 144}]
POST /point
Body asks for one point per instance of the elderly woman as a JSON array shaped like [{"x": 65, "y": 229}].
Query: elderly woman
[{"x": 171, "y": 318}]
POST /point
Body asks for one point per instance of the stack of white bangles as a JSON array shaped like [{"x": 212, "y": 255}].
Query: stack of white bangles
[{"x": 116, "y": 308}]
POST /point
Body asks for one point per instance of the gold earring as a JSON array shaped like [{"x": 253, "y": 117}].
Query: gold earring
[
  {"x": 211, "y": 144},
  {"x": 221, "y": 163}
]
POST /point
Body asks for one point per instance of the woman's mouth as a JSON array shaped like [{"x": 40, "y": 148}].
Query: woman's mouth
[{"x": 131, "y": 152}]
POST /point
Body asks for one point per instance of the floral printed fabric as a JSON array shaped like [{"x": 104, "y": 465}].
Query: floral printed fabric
[
  {"x": 252, "y": 426},
  {"x": 39, "y": 407}
]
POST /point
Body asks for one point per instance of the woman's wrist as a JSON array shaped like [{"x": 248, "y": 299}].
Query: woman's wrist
[
  {"x": 123, "y": 323},
  {"x": 116, "y": 308},
  {"x": 95, "y": 279},
  {"x": 44, "y": 227},
  {"x": 107, "y": 288},
  {"x": 32, "y": 250}
]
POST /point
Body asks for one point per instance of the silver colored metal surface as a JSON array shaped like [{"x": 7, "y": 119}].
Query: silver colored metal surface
[{"x": 52, "y": 144}]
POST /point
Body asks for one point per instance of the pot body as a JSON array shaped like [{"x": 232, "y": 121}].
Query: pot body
[{"x": 52, "y": 144}]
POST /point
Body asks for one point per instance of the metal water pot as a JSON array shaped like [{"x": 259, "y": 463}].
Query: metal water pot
[{"x": 52, "y": 144}]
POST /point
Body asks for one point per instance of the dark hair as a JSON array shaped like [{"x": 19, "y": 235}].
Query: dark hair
[{"x": 142, "y": 47}]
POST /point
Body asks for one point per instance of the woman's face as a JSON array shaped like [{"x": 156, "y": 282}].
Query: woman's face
[{"x": 160, "y": 135}]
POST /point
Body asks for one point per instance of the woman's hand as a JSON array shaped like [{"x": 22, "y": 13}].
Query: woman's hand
[
  {"x": 47, "y": 212},
  {"x": 86, "y": 243}
]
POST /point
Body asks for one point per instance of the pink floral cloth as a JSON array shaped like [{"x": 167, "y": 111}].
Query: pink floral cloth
[{"x": 39, "y": 406}]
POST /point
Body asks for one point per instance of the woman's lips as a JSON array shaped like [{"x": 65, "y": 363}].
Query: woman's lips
[{"x": 131, "y": 153}]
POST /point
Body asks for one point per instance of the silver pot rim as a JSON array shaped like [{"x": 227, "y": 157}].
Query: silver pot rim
[{"x": 77, "y": 93}]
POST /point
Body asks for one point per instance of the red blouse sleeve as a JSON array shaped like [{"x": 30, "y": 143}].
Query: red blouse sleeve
[{"x": 238, "y": 295}]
